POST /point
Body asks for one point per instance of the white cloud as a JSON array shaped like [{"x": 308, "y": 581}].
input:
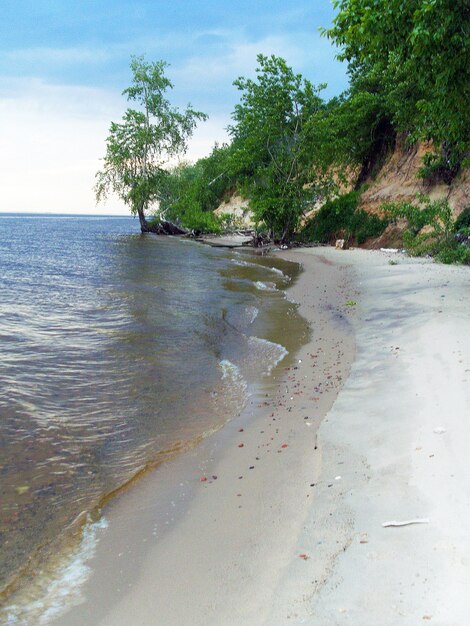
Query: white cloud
[
  {"x": 58, "y": 55},
  {"x": 206, "y": 135},
  {"x": 53, "y": 138},
  {"x": 307, "y": 53}
]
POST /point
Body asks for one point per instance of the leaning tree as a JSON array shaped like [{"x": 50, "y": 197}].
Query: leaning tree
[
  {"x": 269, "y": 144},
  {"x": 142, "y": 144}
]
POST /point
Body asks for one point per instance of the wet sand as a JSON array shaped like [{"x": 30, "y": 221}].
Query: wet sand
[{"x": 277, "y": 518}]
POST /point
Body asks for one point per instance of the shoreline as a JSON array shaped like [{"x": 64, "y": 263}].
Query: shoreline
[
  {"x": 42, "y": 572},
  {"x": 179, "y": 522},
  {"x": 280, "y": 528}
]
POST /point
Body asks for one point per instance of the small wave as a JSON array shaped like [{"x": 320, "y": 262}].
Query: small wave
[
  {"x": 241, "y": 263},
  {"x": 234, "y": 393},
  {"x": 276, "y": 270},
  {"x": 265, "y": 286},
  {"x": 267, "y": 268},
  {"x": 268, "y": 353},
  {"x": 232, "y": 374},
  {"x": 61, "y": 589},
  {"x": 251, "y": 314}
]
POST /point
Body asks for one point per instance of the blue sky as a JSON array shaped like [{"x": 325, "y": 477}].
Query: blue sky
[{"x": 64, "y": 64}]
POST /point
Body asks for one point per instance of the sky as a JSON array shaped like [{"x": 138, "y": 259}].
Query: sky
[{"x": 65, "y": 63}]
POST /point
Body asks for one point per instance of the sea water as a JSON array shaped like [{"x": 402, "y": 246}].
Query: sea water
[{"x": 117, "y": 350}]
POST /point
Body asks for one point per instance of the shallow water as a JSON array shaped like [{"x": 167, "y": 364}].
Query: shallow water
[{"x": 116, "y": 350}]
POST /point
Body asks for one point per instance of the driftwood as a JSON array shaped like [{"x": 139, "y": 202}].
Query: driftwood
[
  {"x": 165, "y": 228},
  {"x": 261, "y": 240}
]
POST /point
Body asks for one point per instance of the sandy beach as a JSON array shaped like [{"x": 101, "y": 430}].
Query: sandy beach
[{"x": 278, "y": 518}]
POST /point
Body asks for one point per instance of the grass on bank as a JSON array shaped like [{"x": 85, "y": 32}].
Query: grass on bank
[
  {"x": 431, "y": 229},
  {"x": 341, "y": 218}
]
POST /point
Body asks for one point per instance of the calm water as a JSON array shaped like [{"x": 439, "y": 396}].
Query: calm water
[{"x": 117, "y": 349}]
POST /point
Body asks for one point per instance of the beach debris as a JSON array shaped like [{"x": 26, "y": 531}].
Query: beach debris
[
  {"x": 417, "y": 520},
  {"x": 337, "y": 477},
  {"x": 350, "y": 303},
  {"x": 439, "y": 430},
  {"x": 284, "y": 445},
  {"x": 241, "y": 445},
  {"x": 22, "y": 490},
  {"x": 203, "y": 479},
  {"x": 427, "y": 617},
  {"x": 305, "y": 557},
  {"x": 392, "y": 250},
  {"x": 214, "y": 477},
  {"x": 341, "y": 244}
]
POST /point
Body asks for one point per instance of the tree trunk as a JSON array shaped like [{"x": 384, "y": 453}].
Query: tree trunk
[
  {"x": 161, "y": 228},
  {"x": 144, "y": 227}
]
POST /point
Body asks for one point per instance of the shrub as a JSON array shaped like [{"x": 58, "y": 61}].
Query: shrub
[
  {"x": 442, "y": 166},
  {"x": 341, "y": 218},
  {"x": 439, "y": 239},
  {"x": 463, "y": 220},
  {"x": 230, "y": 222},
  {"x": 454, "y": 254},
  {"x": 201, "y": 221}
]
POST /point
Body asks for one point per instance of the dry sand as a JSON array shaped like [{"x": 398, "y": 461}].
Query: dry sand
[{"x": 298, "y": 539}]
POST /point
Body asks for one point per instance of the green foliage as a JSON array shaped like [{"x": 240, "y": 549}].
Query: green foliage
[
  {"x": 463, "y": 220},
  {"x": 269, "y": 144},
  {"x": 340, "y": 218},
  {"x": 145, "y": 140},
  {"x": 191, "y": 192},
  {"x": 420, "y": 48},
  {"x": 353, "y": 130},
  {"x": 440, "y": 166},
  {"x": 229, "y": 222},
  {"x": 454, "y": 254},
  {"x": 430, "y": 229},
  {"x": 435, "y": 214},
  {"x": 195, "y": 219}
]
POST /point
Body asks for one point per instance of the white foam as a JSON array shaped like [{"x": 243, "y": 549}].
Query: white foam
[
  {"x": 273, "y": 353},
  {"x": 242, "y": 263},
  {"x": 231, "y": 373},
  {"x": 276, "y": 270},
  {"x": 62, "y": 588},
  {"x": 265, "y": 286},
  {"x": 252, "y": 313},
  {"x": 235, "y": 386}
]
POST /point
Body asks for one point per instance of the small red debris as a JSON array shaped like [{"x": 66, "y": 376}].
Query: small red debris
[
  {"x": 284, "y": 445},
  {"x": 304, "y": 556},
  {"x": 241, "y": 445},
  {"x": 203, "y": 479}
]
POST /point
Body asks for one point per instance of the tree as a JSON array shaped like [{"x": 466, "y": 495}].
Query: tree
[
  {"x": 420, "y": 49},
  {"x": 268, "y": 144},
  {"x": 138, "y": 148},
  {"x": 354, "y": 132}
]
